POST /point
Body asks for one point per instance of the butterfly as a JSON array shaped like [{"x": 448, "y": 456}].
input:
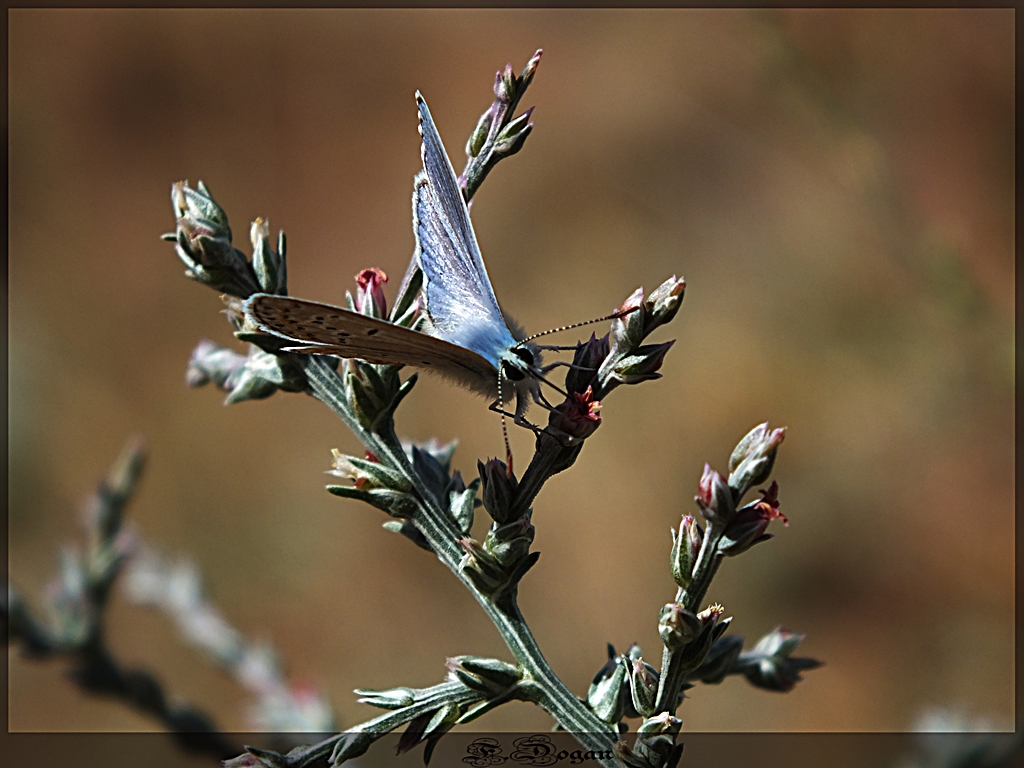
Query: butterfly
[{"x": 464, "y": 337}]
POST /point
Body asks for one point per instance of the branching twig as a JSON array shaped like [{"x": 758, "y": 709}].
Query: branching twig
[{"x": 77, "y": 602}]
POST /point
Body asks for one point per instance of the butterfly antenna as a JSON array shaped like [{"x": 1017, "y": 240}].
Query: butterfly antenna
[
  {"x": 504, "y": 426},
  {"x": 613, "y": 316}
]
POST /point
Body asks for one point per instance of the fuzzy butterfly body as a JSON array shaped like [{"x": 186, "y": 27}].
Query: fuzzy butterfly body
[{"x": 465, "y": 338}]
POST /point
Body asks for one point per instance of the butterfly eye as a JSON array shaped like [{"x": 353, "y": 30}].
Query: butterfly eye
[{"x": 511, "y": 372}]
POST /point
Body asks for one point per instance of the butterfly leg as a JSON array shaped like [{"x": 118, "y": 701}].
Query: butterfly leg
[
  {"x": 517, "y": 418},
  {"x": 542, "y": 401},
  {"x": 551, "y": 366},
  {"x": 557, "y": 348}
]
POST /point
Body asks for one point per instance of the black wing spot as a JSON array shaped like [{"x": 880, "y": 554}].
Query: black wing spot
[
  {"x": 426, "y": 362},
  {"x": 330, "y": 328},
  {"x": 372, "y": 331},
  {"x": 344, "y": 333}
]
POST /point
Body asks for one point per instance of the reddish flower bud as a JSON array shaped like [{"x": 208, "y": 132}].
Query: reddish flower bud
[
  {"x": 370, "y": 295},
  {"x": 715, "y": 498}
]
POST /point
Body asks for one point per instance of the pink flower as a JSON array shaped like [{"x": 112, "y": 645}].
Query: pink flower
[
  {"x": 768, "y": 506},
  {"x": 751, "y": 521},
  {"x": 578, "y": 416}
]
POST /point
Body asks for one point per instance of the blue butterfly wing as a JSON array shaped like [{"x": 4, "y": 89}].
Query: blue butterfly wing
[{"x": 459, "y": 299}]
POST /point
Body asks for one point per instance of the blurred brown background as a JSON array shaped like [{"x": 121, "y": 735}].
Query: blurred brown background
[{"x": 836, "y": 187}]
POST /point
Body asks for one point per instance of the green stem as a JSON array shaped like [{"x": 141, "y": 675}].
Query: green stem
[{"x": 673, "y": 670}]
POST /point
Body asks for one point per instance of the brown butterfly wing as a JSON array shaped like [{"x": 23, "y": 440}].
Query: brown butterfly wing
[{"x": 323, "y": 329}]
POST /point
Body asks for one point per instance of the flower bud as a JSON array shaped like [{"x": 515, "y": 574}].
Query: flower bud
[
  {"x": 482, "y": 569},
  {"x": 490, "y": 677},
  {"x": 370, "y": 299},
  {"x": 374, "y": 483},
  {"x": 198, "y": 204},
  {"x": 367, "y": 474},
  {"x": 430, "y": 470},
  {"x": 203, "y": 243},
  {"x": 655, "y": 741},
  {"x": 462, "y": 501},
  {"x": 715, "y": 498},
  {"x": 643, "y": 686},
  {"x": 677, "y": 626},
  {"x": 660, "y": 724},
  {"x": 643, "y": 364},
  {"x": 268, "y": 266},
  {"x": 513, "y": 135},
  {"x": 526, "y": 76},
  {"x": 374, "y": 392},
  {"x": 498, "y": 489},
  {"x": 505, "y": 85},
  {"x": 479, "y": 135},
  {"x": 685, "y": 549},
  {"x": 393, "y": 698},
  {"x": 628, "y": 330},
  {"x": 748, "y": 526},
  {"x": 509, "y": 542},
  {"x": 752, "y": 459},
  {"x": 586, "y": 360},
  {"x": 606, "y": 696},
  {"x": 712, "y": 626},
  {"x": 663, "y": 303},
  {"x": 211, "y": 362}
]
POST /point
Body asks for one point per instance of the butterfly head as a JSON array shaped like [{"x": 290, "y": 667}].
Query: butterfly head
[{"x": 519, "y": 365}]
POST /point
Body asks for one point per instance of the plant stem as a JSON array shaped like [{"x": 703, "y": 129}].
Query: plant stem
[
  {"x": 704, "y": 570},
  {"x": 440, "y": 532},
  {"x": 673, "y": 671}
]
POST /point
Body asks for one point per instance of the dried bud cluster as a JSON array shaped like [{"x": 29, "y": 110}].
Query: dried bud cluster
[
  {"x": 203, "y": 243},
  {"x": 391, "y": 491},
  {"x": 497, "y": 135},
  {"x": 627, "y": 361},
  {"x": 769, "y": 664},
  {"x": 253, "y": 376}
]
